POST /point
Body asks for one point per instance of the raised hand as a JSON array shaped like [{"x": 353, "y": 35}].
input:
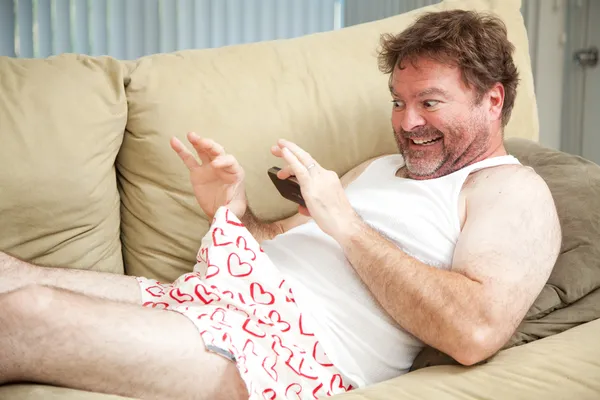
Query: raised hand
[
  {"x": 218, "y": 180},
  {"x": 323, "y": 193}
]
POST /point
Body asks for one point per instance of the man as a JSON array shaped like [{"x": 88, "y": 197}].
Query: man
[{"x": 447, "y": 244}]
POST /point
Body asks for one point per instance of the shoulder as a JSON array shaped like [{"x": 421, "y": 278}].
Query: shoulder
[
  {"x": 512, "y": 195},
  {"x": 515, "y": 180},
  {"x": 355, "y": 172}
]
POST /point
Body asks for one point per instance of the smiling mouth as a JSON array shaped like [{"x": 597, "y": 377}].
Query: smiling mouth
[{"x": 425, "y": 142}]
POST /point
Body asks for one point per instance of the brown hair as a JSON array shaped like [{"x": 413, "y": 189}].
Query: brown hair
[{"x": 476, "y": 43}]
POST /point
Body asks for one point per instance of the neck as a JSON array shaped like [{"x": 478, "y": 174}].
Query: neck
[{"x": 495, "y": 149}]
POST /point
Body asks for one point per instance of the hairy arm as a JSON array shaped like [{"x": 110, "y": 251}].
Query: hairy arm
[
  {"x": 268, "y": 230},
  {"x": 503, "y": 257}
]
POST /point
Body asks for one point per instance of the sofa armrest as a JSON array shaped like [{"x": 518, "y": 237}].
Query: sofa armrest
[{"x": 563, "y": 366}]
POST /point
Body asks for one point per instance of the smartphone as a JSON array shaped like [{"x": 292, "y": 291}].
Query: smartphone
[{"x": 288, "y": 188}]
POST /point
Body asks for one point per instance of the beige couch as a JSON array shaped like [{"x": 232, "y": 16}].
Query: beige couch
[{"x": 87, "y": 179}]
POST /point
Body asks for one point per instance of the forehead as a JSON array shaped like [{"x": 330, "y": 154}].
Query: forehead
[{"x": 423, "y": 74}]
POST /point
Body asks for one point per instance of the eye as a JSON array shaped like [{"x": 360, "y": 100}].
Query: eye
[
  {"x": 398, "y": 104},
  {"x": 430, "y": 103}
]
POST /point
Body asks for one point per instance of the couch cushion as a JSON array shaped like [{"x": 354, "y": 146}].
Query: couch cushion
[
  {"x": 323, "y": 91},
  {"x": 572, "y": 294},
  {"x": 564, "y": 366},
  {"x": 36, "y": 392},
  {"x": 61, "y": 126}
]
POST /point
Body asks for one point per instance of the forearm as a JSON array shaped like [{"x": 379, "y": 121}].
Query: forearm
[
  {"x": 437, "y": 306},
  {"x": 260, "y": 230},
  {"x": 15, "y": 274}
]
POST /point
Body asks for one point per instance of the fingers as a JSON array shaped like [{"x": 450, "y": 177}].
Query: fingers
[
  {"x": 285, "y": 172},
  {"x": 295, "y": 165},
  {"x": 207, "y": 149},
  {"x": 186, "y": 156},
  {"x": 227, "y": 163},
  {"x": 304, "y": 158}
]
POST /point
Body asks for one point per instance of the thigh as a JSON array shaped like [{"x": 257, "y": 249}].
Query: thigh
[{"x": 99, "y": 345}]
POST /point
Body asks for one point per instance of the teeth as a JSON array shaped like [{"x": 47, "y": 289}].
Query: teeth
[{"x": 421, "y": 141}]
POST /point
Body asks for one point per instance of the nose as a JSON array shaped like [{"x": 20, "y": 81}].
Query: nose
[{"x": 409, "y": 119}]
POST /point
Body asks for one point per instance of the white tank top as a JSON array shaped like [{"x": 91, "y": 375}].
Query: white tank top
[{"x": 421, "y": 217}]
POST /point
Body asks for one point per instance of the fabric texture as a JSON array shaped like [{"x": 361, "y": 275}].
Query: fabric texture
[
  {"x": 322, "y": 91},
  {"x": 571, "y": 296},
  {"x": 245, "y": 311},
  {"x": 62, "y": 121}
]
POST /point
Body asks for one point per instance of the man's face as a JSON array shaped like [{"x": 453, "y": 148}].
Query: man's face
[{"x": 438, "y": 126}]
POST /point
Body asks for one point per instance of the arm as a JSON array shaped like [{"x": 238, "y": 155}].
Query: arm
[
  {"x": 268, "y": 230},
  {"x": 503, "y": 257}
]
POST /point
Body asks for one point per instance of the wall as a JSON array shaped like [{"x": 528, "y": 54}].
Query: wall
[{"x": 545, "y": 20}]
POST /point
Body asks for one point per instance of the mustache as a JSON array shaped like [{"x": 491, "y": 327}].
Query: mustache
[{"x": 419, "y": 132}]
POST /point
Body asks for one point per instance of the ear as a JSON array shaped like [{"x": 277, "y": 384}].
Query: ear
[{"x": 496, "y": 101}]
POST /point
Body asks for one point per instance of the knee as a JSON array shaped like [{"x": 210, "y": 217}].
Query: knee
[{"x": 28, "y": 302}]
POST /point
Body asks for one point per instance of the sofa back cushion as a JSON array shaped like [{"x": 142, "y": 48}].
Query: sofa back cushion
[
  {"x": 322, "y": 91},
  {"x": 61, "y": 127}
]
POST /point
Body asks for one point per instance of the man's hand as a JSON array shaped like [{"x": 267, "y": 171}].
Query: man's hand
[
  {"x": 218, "y": 181},
  {"x": 321, "y": 189}
]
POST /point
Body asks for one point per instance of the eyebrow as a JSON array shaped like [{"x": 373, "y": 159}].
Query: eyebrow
[
  {"x": 426, "y": 92},
  {"x": 433, "y": 90}
]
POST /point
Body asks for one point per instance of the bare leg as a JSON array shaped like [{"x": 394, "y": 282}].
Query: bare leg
[
  {"x": 15, "y": 274},
  {"x": 57, "y": 337}
]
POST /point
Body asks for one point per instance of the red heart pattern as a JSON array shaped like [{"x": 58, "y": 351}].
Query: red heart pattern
[
  {"x": 222, "y": 239},
  {"x": 260, "y": 295},
  {"x": 302, "y": 330},
  {"x": 337, "y": 385},
  {"x": 202, "y": 254},
  {"x": 191, "y": 275},
  {"x": 237, "y": 267},
  {"x": 180, "y": 297},
  {"x": 246, "y": 346},
  {"x": 282, "y": 325},
  {"x": 320, "y": 356},
  {"x": 269, "y": 394},
  {"x": 278, "y": 347},
  {"x": 204, "y": 296},
  {"x": 231, "y": 219},
  {"x": 249, "y": 252},
  {"x": 242, "y": 305},
  {"x": 252, "y": 328},
  {"x": 301, "y": 368},
  {"x": 159, "y": 305},
  {"x": 293, "y": 388},
  {"x": 155, "y": 291},
  {"x": 219, "y": 316},
  {"x": 316, "y": 390},
  {"x": 211, "y": 271},
  {"x": 268, "y": 365}
]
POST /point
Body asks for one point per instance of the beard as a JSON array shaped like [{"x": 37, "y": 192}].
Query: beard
[
  {"x": 458, "y": 146},
  {"x": 421, "y": 162}
]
